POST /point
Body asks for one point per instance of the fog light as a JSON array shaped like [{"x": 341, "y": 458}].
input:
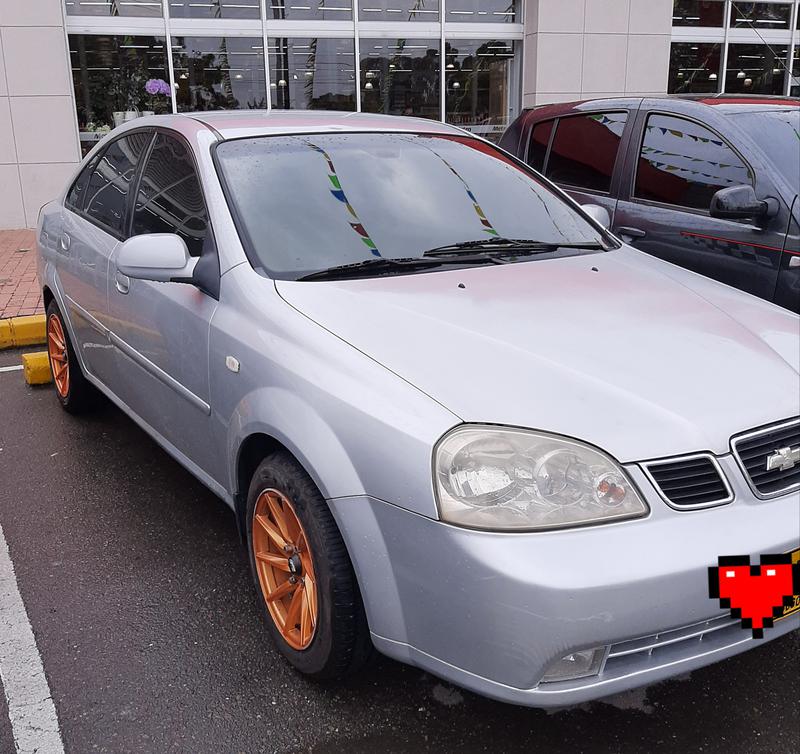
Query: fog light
[{"x": 581, "y": 664}]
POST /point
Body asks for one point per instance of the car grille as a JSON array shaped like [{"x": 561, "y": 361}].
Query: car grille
[
  {"x": 687, "y": 641},
  {"x": 753, "y": 450},
  {"x": 690, "y": 482}
]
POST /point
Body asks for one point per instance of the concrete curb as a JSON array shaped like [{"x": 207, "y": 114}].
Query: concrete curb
[
  {"x": 22, "y": 331},
  {"x": 36, "y": 368}
]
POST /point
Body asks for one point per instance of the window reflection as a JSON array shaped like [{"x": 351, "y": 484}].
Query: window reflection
[
  {"x": 398, "y": 10},
  {"x": 698, "y": 13},
  {"x": 219, "y": 73},
  {"x": 400, "y": 77},
  {"x": 478, "y": 79},
  {"x": 312, "y": 74},
  {"x": 694, "y": 67},
  {"x": 481, "y": 11},
  {"x": 116, "y": 78},
  {"x": 215, "y": 9},
  {"x": 146, "y": 8},
  {"x": 313, "y": 10},
  {"x": 760, "y": 15},
  {"x": 756, "y": 69}
]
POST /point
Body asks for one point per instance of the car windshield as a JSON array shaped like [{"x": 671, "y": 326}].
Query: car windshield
[
  {"x": 777, "y": 132},
  {"x": 307, "y": 203}
]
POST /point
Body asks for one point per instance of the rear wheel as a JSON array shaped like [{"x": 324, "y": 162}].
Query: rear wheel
[
  {"x": 302, "y": 572},
  {"x": 74, "y": 392}
]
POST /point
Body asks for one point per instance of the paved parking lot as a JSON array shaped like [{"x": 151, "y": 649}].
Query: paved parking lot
[{"x": 139, "y": 597}]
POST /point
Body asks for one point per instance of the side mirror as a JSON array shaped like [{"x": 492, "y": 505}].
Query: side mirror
[
  {"x": 739, "y": 203},
  {"x": 160, "y": 257},
  {"x": 598, "y": 214}
]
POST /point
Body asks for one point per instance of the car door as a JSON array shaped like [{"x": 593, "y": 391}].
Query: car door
[
  {"x": 581, "y": 152},
  {"x": 675, "y": 166},
  {"x": 787, "y": 292},
  {"x": 161, "y": 330},
  {"x": 93, "y": 223}
]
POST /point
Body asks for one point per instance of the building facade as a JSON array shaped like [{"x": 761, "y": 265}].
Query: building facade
[{"x": 70, "y": 70}]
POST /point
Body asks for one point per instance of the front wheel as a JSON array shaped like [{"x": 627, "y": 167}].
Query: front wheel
[
  {"x": 73, "y": 390},
  {"x": 302, "y": 572}
]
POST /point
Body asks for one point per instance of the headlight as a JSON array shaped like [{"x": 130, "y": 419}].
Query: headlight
[{"x": 512, "y": 479}]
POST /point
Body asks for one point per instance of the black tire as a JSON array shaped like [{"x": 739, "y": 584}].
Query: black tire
[
  {"x": 341, "y": 643},
  {"x": 81, "y": 395}
]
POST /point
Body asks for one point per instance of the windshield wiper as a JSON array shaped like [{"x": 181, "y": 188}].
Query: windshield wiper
[
  {"x": 509, "y": 245},
  {"x": 387, "y": 264}
]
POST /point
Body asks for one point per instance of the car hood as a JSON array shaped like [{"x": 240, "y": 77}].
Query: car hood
[{"x": 619, "y": 349}]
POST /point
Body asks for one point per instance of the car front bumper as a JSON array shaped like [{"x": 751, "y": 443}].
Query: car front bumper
[{"x": 492, "y": 611}]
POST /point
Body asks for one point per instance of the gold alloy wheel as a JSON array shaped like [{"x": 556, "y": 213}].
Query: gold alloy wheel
[
  {"x": 285, "y": 568},
  {"x": 59, "y": 359}
]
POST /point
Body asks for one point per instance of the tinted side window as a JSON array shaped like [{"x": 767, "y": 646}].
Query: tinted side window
[
  {"x": 169, "y": 198},
  {"x": 78, "y": 189},
  {"x": 585, "y": 149},
  {"x": 107, "y": 192},
  {"x": 537, "y": 147},
  {"x": 685, "y": 164}
]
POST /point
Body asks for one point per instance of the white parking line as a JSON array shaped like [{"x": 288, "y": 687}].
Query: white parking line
[
  {"x": 15, "y": 368},
  {"x": 34, "y": 722}
]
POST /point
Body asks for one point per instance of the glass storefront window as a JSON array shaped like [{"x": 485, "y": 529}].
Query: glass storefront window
[
  {"x": 310, "y": 10},
  {"x": 215, "y": 9},
  {"x": 698, "y": 13},
  {"x": 400, "y": 77},
  {"x": 481, "y": 11},
  {"x": 117, "y": 78},
  {"x": 140, "y": 8},
  {"x": 398, "y": 10},
  {"x": 756, "y": 69},
  {"x": 312, "y": 74},
  {"x": 760, "y": 15},
  {"x": 694, "y": 67},
  {"x": 219, "y": 73},
  {"x": 478, "y": 85},
  {"x": 795, "y": 85}
]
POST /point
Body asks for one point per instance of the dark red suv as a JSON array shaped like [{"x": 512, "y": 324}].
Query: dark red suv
[{"x": 708, "y": 183}]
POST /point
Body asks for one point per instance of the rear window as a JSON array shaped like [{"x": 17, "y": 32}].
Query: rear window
[
  {"x": 307, "y": 203},
  {"x": 584, "y": 150}
]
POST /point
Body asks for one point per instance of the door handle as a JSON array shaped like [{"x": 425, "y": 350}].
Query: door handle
[
  {"x": 631, "y": 232},
  {"x": 794, "y": 262},
  {"x": 64, "y": 242},
  {"x": 122, "y": 282}
]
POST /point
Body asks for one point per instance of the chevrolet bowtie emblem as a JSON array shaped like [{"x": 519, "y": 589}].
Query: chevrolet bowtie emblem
[{"x": 783, "y": 459}]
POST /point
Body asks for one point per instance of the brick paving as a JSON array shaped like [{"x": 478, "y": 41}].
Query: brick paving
[{"x": 19, "y": 288}]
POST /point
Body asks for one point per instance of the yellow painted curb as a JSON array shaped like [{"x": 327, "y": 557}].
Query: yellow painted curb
[
  {"x": 36, "y": 368},
  {"x": 22, "y": 331}
]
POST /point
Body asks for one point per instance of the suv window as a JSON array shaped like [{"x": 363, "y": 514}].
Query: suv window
[
  {"x": 170, "y": 199},
  {"x": 684, "y": 164},
  {"x": 107, "y": 190},
  {"x": 585, "y": 150},
  {"x": 537, "y": 147},
  {"x": 77, "y": 191}
]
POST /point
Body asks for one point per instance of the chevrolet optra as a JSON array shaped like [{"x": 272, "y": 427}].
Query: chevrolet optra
[{"x": 457, "y": 419}]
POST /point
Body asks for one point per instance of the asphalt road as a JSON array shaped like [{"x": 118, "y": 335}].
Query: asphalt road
[{"x": 140, "y": 600}]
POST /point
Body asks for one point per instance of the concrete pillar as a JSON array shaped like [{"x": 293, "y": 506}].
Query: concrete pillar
[
  {"x": 39, "y": 145},
  {"x": 581, "y": 49}
]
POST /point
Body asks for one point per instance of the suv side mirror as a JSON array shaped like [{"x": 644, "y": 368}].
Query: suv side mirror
[
  {"x": 160, "y": 257},
  {"x": 740, "y": 203}
]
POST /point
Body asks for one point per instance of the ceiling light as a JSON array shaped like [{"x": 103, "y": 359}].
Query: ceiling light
[
  {"x": 282, "y": 82},
  {"x": 368, "y": 85},
  {"x": 740, "y": 75},
  {"x": 712, "y": 77}
]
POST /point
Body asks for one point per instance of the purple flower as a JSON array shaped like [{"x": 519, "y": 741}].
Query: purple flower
[{"x": 156, "y": 86}]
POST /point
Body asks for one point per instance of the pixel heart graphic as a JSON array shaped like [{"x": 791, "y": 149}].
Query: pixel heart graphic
[{"x": 756, "y": 594}]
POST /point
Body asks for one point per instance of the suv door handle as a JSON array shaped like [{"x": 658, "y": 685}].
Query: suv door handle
[
  {"x": 631, "y": 232},
  {"x": 122, "y": 282},
  {"x": 64, "y": 242}
]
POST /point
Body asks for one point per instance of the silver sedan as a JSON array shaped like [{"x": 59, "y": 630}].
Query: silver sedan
[{"x": 457, "y": 420}]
